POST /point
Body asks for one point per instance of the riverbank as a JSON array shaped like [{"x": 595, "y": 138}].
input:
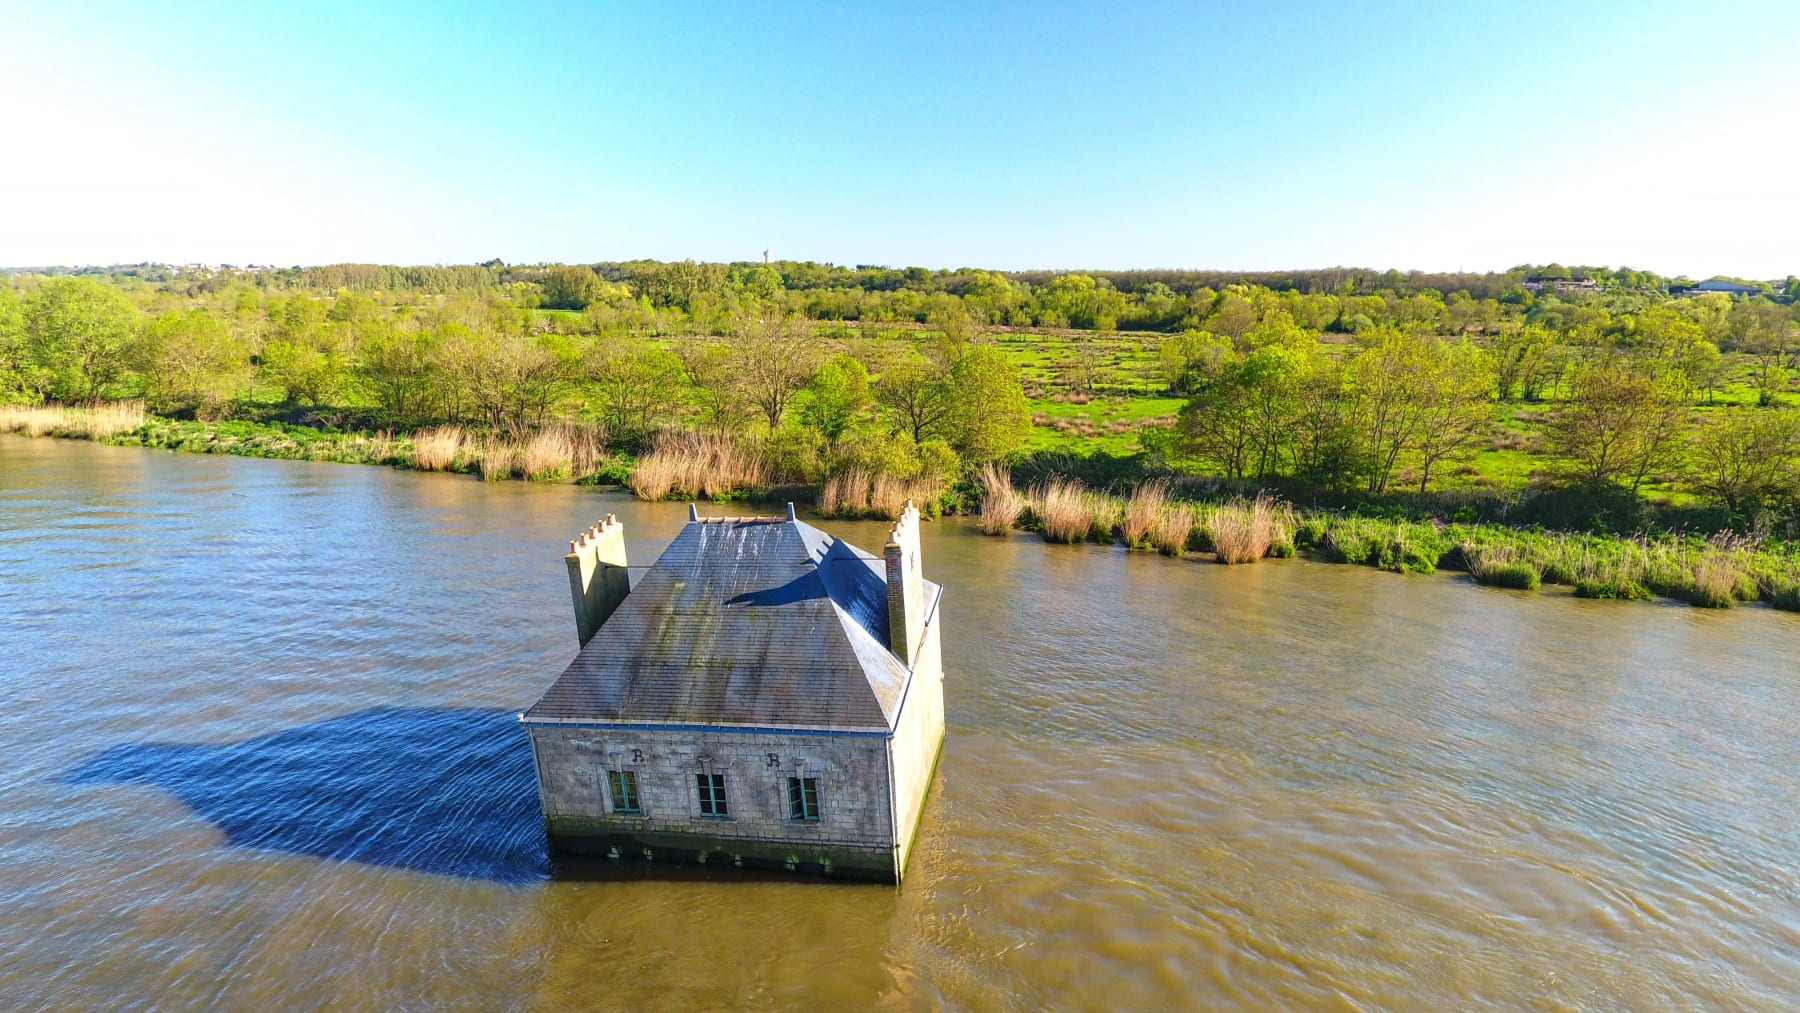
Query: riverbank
[{"x": 1715, "y": 572}]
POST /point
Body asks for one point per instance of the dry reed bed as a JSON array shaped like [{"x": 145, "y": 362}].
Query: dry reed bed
[
  {"x": 1237, "y": 531},
  {"x": 696, "y": 466},
  {"x": 548, "y": 454},
  {"x": 876, "y": 495},
  {"x": 97, "y": 420},
  {"x": 1001, "y": 504}
]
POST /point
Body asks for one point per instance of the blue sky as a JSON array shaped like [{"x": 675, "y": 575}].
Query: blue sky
[{"x": 1429, "y": 136}]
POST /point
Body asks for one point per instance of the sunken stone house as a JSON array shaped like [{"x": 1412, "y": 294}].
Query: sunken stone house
[{"x": 765, "y": 695}]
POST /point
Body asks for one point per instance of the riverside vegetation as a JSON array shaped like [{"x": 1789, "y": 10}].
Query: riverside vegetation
[{"x": 1611, "y": 430}]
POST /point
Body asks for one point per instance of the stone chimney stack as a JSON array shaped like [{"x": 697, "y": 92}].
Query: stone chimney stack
[
  {"x": 598, "y": 578},
  {"x": 905, "y": 586}
]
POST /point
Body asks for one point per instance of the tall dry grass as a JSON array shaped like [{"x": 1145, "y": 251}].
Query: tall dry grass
[
  {"x": 96, "y": 420},
  {"x": 547, "y": 454},
  {"x": 1065, "y": 510},
  {"x": 497, "y": 457},
  {"x": 873, "y": 494},
  {"x": 1142, "y": 512},
  {"x": 1244, "y": 531},
  {"x": 1001, "y": 504},
  {"x": 699, "y": 465},
  {"x": 436, "y": 449},
  {"x": 1172, "y": 529}
]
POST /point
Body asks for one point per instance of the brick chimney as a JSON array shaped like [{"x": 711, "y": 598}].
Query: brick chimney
[
  {"x": 598, "y": 578},
  {"x": 905, "y": 586}
]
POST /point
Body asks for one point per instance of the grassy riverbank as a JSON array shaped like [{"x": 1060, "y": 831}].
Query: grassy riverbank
[
  {"x": 1716, "y": 571},
  {"x": 555, "y": 454}
]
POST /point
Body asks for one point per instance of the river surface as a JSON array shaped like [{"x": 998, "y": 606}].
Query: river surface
[{"x": 258, "y": 750}]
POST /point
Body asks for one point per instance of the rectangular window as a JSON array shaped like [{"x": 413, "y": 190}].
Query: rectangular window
[
  {"x": 803, "y": 799},
  {"x": 624, "y": 790},
  {"x": 712, "y": 794}
]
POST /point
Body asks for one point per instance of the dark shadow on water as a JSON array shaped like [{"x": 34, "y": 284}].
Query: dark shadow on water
[
  {"x": 446, "y": 791},
  {"x": 439, "y": 790}
]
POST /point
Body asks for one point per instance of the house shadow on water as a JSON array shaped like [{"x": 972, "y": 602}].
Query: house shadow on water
[
  {"x": 439, "y": 790},
  {"x": 445, "y": 791}
]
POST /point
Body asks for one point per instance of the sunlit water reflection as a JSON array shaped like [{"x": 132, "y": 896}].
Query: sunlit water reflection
[{"x": 258, "y": 750}]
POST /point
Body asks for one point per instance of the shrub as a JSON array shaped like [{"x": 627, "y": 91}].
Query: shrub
[
  {"x": 1411, "y": 548},
  {"x": 1786, "y": 598},
  {"x": 1500, "y": 566},
  {"x": 1350, "y": 540},
  {"x": 1519, "y": 576},
  {"x": 1310, "y": 533},
  {"x": 1612, "y": 587},
  {"x": 795, "y": 454}
]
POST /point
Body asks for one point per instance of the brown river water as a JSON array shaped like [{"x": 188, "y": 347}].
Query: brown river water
[{"x": 258, "y": 751}]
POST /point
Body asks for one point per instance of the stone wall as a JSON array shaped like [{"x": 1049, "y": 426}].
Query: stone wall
[
  {"x": 854, "y": 830},
  {"x": 918, "y": 738}
]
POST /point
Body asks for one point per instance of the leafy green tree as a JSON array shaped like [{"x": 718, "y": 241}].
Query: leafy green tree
[
  {"x": 1763, "y": 330},
  {"x": 1519, "y": 356},
  {"x": 773, "y": 356},
  {"x": 1742, "y": 457},
  {"x": 1621, "y": 423},
  {"x": 918, "y": 396},
  {"x": 1085, "y": 302},
  {"x": 12, "y": 346},
  {"x": 1218, "y": 424},
  {"x": 400, "y": 366},
  {"x": 678, "y": 284},
  {"x": 1454, "y": 404},
  {"x": 641, "y": 387},
  {"x": 77, "y": 334},
  {"x": 712, "y": 373},
  {"x": 1387, "y": 383},
  {"x": 189, "y": 360},
  {"x": 1324, "y": 437},
  {"x": 1243, "y": 421},
  {"x": 512, "y": 380},
  {"x": 1189, "y": 360},
  {"x": 840, "y": 393},
  {"x": 762, "y": 283},
  {"x": 990, "y": 417},
  {"x": 1234, "y": 317},
  {"x": 569, "y": 287}
]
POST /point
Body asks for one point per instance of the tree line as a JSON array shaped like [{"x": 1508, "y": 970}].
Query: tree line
[{"x": 1328, "y": 381}]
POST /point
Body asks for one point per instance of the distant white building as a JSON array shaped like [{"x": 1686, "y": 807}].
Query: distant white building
[
  {"x": 1718, "y": 285},
  {"x": 765, "y": 695}
]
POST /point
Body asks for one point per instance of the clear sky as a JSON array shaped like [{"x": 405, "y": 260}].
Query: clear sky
[{"x": 1434, "y": 136}]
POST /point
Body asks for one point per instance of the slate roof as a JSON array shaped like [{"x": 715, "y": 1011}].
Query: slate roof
[{"x": 762, "y": 621}]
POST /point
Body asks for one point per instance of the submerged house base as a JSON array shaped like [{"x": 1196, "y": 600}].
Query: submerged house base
[{"x": 765, "y": 697}]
